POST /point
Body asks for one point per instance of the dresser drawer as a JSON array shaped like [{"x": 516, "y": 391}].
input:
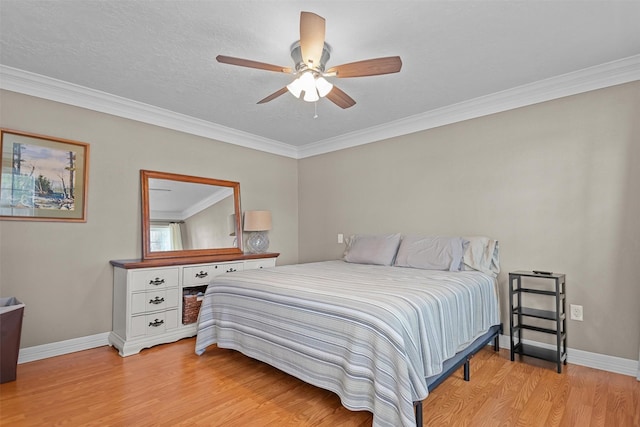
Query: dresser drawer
[
  {"x": 158, "y": 278},
  {"x": 154, "y": 300},
  {"x": 154, "y": 323},
  {"x": 202, "y": 274},
  {"x": 259, "y": 263}
]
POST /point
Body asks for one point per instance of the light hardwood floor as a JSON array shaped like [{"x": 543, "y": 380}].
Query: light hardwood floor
[{"x": 169, "y": 385}]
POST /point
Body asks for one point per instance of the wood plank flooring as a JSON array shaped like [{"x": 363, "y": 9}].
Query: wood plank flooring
[{"x": 169, "y": 385}]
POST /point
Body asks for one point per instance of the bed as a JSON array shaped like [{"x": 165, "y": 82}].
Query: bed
[{"x": 380, "y": 336}]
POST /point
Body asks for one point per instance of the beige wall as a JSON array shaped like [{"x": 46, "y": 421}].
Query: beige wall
[
  {"x": 61, "y": 271},
  {"x": 556, "y": 183}
]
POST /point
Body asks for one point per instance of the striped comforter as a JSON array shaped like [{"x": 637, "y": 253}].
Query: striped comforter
[{"x": 371, "y": 334}]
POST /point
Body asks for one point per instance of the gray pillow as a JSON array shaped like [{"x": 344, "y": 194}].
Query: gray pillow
[
  {"x": 370, "y": 249},
  {"x": 431, "y": 253},
  {"x": 482, "y": 254}
]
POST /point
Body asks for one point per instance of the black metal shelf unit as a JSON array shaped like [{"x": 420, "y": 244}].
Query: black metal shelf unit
[{"x": 519, "y": 315}]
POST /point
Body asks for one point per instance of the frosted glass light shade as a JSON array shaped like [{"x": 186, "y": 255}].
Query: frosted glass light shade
[
  {"x": 311, "y": 96},
  {"x": 295, "y": 88},
  {"x": 323, "y": 86},
  {"x": 307, "y": 82}
]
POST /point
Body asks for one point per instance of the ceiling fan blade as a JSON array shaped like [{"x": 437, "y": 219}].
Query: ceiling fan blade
[
  {"x": 368, "y": 67},
  {"x": 273, "y": 96},
  {"x": 312, "y": 30},
  {"x": 340, "y": 98},
  {"x": 252, "y": 64}
]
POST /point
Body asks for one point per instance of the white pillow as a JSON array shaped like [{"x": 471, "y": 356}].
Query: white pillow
[
  {"x": 370, "y": 249},
  {"x": 431, "y": 253}
]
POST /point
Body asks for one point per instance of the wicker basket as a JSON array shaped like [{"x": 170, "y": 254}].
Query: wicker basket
[{"x": 190, "y": 308}]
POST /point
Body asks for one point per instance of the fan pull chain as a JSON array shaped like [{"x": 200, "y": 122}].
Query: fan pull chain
[{"x": 315, "y": 109}]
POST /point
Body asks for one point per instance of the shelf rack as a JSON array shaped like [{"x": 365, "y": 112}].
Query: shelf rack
[{"x": 520, "y": 314}]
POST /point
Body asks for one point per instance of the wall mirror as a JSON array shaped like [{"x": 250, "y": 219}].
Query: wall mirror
[{"x": 187, "y": 216}]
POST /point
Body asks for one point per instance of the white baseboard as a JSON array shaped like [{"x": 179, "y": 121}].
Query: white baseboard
[
  {"x": 577, "y": 357},
  {"x": 30, "y": 354},
  {"x": 603, "y": 362}
]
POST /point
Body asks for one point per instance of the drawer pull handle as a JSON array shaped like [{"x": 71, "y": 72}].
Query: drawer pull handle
[
  {"x": 157, "y": 281},
  {"x": 231, "y": 270},
  {"x": 202, "y": 274},
  {"x": 156, "y": 323},
  {"x": 156, "y": 300}
]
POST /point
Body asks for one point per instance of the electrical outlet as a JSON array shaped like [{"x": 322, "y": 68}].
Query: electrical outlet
[
  {"x": 576, "y": 312},
  {"x": 340, "y": 238}
]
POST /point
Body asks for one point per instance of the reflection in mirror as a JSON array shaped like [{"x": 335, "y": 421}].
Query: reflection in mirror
[
  {"x": 189, "y": 216},
  {"x": 185, "y": 215}
]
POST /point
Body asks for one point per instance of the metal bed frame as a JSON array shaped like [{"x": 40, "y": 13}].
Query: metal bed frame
[{"x": 461, "y": 358}]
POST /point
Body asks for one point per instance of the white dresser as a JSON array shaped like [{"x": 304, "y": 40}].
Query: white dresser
[{"x": 148, "y": 296}]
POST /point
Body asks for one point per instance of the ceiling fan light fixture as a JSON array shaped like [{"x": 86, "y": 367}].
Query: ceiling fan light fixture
[
  {"x": 310, "y": 55},
  {"x": 313, "y": 87},
  {"x": 306, "y": 83}
]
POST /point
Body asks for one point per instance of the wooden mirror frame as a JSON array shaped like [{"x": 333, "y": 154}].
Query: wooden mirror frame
[{"x": 147, "y": 254}]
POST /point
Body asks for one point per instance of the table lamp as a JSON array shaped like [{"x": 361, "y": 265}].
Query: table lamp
[{"x": 258, "y": 223}]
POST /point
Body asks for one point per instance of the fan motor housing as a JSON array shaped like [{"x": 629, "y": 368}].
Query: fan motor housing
[{"x": 296, "y": 55}]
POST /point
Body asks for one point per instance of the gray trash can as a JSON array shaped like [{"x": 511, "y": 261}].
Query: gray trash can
[{"x": 11, "y": 312}]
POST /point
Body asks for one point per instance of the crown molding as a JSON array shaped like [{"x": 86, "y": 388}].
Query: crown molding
[
  {"x": 592, "y": 78},
  {"x": 32, "y": 84}
]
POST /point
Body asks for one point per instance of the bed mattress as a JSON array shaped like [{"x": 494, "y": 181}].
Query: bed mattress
[{"x": 371, "y": 334}]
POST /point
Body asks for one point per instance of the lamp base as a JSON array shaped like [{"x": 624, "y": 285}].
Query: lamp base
[{"x": 258, "y": 242}]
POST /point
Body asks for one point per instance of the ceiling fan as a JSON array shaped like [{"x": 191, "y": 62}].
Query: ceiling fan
[{"x": 310, "y": 55}]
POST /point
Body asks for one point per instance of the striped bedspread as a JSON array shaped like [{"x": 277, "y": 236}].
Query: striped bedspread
[{"x": 371, "y": 334}]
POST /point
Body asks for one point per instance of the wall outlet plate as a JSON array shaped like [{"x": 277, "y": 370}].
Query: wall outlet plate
[{"x": 576, "y": 312}]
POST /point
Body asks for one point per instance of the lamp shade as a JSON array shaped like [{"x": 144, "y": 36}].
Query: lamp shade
[{"x": 257, "y": 220}]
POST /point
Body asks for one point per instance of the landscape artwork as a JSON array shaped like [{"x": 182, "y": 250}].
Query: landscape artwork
[{"x": 43, "y": 178}]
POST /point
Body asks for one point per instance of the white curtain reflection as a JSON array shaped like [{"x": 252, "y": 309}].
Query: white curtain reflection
[{"x": 176, "y": 236}]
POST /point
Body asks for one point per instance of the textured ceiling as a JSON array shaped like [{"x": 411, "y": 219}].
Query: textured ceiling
[{"x": 162, "y": 53}]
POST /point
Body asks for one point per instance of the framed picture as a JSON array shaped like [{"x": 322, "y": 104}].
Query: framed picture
[{"x": 42, "y": 178}]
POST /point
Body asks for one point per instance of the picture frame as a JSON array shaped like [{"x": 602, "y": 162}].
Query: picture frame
[{"x": 42, "y": 178}]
